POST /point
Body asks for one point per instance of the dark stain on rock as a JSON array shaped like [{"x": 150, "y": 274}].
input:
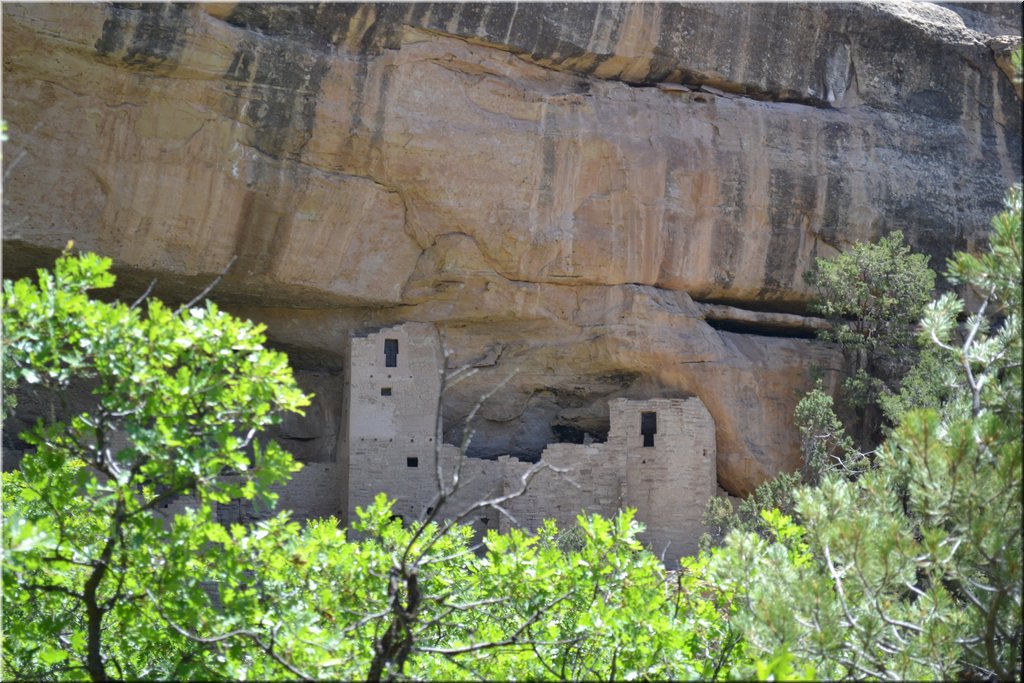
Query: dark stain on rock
[
  {"x": 157, "y": 35},
  {"x": 675, "y": 230},
  {"x": 274, "y": 89},
  {"x": 386, "y": 32},
  {"x": 300, "y": 22},
  {"x": 470, "y": 17},
  {"x": 726, "y": 239},
  {"x": 240, "y": 68},
  {"x": 549, "y": 160},
  {"x": 380, "y": 113},
  {"x": 547, "y": 32},
  {"x": 498, "y": 19},
  {"x": 933, "y": 104},
  {"x": 563, "y": 39},
  {"x": 837, "y": 207},
  {"x": 323, "y": 25},
  {"x": 524, "y": 29},
  {"x": 791, "y": 206},
  {"x": 112, "y": 36},
  {"x": 834, "y": 143},
  {"x": 701, "y": 34},
  {"x": 382, "y": 31},
  {"x": 265, "y": 220},
  {"x": 358, "y": 93},
  {"x": 834, "y": 140},
  {"x": 417, "y": 13},
  {"x": 621, "y": 379},
  {"x": 436, "y": 15}
]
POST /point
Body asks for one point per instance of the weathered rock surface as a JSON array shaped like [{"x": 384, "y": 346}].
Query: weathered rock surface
[{"x": 514, "y": 171}]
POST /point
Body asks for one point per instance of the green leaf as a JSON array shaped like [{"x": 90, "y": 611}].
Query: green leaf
[{"x": 51, "y": 655}]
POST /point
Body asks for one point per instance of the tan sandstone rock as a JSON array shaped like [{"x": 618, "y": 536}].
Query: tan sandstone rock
[{"x": 582, "y": 186}]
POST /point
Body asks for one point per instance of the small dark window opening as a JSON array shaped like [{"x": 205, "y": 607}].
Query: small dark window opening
[
  {"x": 391, "y": 353},
  {"x": 648, "y": 427},
  {"x": 429, "y": 510},
  {"x": 385, "y": 391},
  {"x": 412, "y": 462},
  {"x": 485, "y": 520}
]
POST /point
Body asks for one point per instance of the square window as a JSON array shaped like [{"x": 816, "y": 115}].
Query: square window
[
  {"x": 412, "y": 462},
  {"x": 385, "y": 391}
]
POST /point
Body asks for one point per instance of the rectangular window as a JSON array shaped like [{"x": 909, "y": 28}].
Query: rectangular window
[
  {"x": 385, "y": 391},
  {"x": 391, "y": 353},
  {"x": 648, "y": 427},
  {"x": 412, "y": 462}
]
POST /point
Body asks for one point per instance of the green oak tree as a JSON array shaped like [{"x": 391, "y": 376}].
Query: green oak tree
[
  {"x": 177, "y": 399},
  {"x": 100, "y": 582}
]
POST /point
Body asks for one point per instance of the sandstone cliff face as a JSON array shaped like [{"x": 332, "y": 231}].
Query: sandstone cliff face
[{"x": 616, "y": 199}]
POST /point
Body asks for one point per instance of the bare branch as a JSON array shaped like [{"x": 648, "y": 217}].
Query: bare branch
[
  {"x": 459, "y": 374},
  {"x": 965, "y": 361},
  {"x": 48, "y": 588},
  {"x": 209, "y": 287},
  {"x": 494, "y": 503},
  {"x": 60, "y": 558},
  {"x": 239, "y": 633},
  {"x": 144, "y": 295},
  {"x": 467, "y": 435},
  {"x": 511, "y": 640},
  {"x": 839, "y": 586}
]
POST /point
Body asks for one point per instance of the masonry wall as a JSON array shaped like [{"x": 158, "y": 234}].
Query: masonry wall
[
  {"x": 578, "y": 479},
  {"x": 670, "y": 482},
  {"x": 392, "y": 412},
  {"x": 409, "y": 412},
  {"x": 391, "y": 449},
  {"x": 415, "y": 489},
  {"x": 391, "y": 436}
]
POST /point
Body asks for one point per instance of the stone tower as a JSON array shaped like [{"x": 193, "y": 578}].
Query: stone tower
[
  {"x": 393, "y": 391},
  {"x": 670, "y": 468}
]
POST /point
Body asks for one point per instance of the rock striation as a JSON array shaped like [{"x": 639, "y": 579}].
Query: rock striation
[{"x": 616, "y": 199}]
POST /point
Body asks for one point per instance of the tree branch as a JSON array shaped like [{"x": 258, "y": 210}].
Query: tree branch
[
  {"x": 144, "y": 295},
  {"x": 238, "y": 633},
  {"x": 209, "y": 287}
]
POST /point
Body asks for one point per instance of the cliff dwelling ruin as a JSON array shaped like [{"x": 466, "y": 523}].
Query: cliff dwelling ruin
[
  {"x": 660, "y": 455},
  {"x": 659, "y": 458}
]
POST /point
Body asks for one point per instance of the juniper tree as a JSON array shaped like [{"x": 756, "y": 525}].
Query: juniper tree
[
  {"x": 873, "y": 294},
  {"x": 913, "y": 568}
]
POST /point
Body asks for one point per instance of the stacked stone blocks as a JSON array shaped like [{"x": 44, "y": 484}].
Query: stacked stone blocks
[{"x": 659, "y": 457}]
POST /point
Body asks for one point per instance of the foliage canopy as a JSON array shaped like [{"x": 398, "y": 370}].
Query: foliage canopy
[{"x": 903, "y": 565}]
